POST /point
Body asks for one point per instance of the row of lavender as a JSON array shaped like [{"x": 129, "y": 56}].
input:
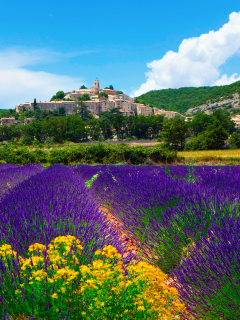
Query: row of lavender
[
  {"x": 188, "y": 219},
  {"x": 38, "y": 205}
]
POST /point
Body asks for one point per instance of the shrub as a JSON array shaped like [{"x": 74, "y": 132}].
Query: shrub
[{"x": 162, "y": 153}]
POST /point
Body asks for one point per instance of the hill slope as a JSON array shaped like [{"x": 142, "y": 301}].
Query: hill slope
[{"x": 182, "y": 99}]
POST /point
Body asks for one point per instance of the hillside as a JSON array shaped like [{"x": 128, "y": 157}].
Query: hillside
[{"x": 182, "y": 99}]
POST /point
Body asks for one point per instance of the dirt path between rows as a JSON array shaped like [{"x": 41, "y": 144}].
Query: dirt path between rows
[{"x": 132, "y": 245}]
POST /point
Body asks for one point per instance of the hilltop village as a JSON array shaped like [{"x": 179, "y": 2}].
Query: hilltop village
[{"x": 100, "y": 100}]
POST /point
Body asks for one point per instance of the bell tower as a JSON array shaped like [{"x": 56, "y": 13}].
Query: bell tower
[{"x": 96, "y": 86}]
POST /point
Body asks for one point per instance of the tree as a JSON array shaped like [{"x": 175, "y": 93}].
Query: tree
[
  {"x": 115, "y": 110},
  {"x": 212, "y": 139},
  {"x": 105, "y": 127},
  {"x": 225, "y": 120},
  {"x": 75, "y": 129},
  {"x": 235, "y": 140},
  {"x": 35, "y": 106},
  {"x": 83, "y": 87},
  {"x": 38, "y": 114},
  {"x": 117, "y": 123},
  {"x": 62, "y": 111},
  {"x": 103, "y": 94},
  {"x": 140, "y": 127},
  {"x": 119, "y": 92},
  {"x": 175, "y": 132},
  {"x": 216, "y": 135},
  {"x": 55, "y": 113},
  {"x": 111, "y": 87},
  {"x": 86, "y": 97},
  {"x": 53, "y": 98},
  {"x": 94, "y": 129},
  {"x": 200, "y": 123},
  {"x": 155, "y": 125},
  {"x": 60, "y": 95},
  {"x": 81, "y": 109}
]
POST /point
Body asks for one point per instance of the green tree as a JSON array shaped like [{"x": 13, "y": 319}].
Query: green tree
[
  {"x": 38, "y": 115},
  {"x": 200, "y": 123},
  {"x": 225, "y": 121},
  {"x": 83, "y": 87},
  {"x": 117, "y": 123},
  {"x": 94, "y": 129},
  {"x": 53, "y": 98},
  {"x": 85, "y": 97},
  {"x": 105, "y": 127},
  {"x": 140, "y": 127},
  {"x": 82, "y": 109},
  {"x": 55, "y": 113},
  {"x": 235, "y": 140},
  {"x": 111, "y": 87},
  {"x": 175, "y": 132},
  {"x": 155, "y": 124},
  {"x": 119, "y": 92},
  {"x": 75, "y": 129},
  {"x": 60, "y": 95},
  {"x": 35, "y": 106},
  {"x": 103, "y": 94},
  {"x": 62, "y": 111},
  {"x": 216, "y": 135},
  {"x": 212, "y": 139}
]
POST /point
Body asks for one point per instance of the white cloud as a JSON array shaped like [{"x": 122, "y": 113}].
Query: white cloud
[
  {"x": 197, "y": 61},
  {"x": 18, "y": 85}
]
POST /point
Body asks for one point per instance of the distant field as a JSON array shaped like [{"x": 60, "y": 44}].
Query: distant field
[{"x": 213, "y": 156}]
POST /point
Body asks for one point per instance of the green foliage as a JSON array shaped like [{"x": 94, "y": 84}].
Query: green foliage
[
  {"x": 175, "y": 132},
  {"x": 62, "y": 111},
  {"x": 103, "y": 94},
  {"x": 182, "y": 99},
  {"x": 162, "y": 153},
  {"x": 234, "y": 140},
  {"x": 111, "y": 87},
  {"x": 83, "y": 87},
  {"x": 119, "y": 92},
  {"x": 100, "y": 153},
  {"x": 211, "y": 139},
  {"x": 60, "y": 95},
  {"x": 190, "y": 176},
  {"x": 200, "y": 123},
  {"x": 89, "y": 182},
  {"x": 85, "y": 97}
]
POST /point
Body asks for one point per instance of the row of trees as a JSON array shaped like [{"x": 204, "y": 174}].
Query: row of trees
[
  {"x": 203, "y": 132},
  {"x": 73, "y": 128}
]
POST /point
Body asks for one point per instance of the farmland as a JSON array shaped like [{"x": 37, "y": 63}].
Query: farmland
[{"x": 119, "y": 242}]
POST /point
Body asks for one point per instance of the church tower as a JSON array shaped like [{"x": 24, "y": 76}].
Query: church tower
[{"x": 96, "y": 86}]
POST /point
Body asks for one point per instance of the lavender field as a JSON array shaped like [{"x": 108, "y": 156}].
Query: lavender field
[{"x": 185, "y": 220}]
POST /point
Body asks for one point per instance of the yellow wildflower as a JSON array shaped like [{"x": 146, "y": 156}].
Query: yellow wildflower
[{"x": 54, "y": 296}]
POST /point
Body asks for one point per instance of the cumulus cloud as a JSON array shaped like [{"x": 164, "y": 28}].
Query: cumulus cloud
[
  {"x": 197, "y": 61},
  {"x": 18, "y": 84}
]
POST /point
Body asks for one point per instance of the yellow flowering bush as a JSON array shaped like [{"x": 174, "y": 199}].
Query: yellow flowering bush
[{"x": 51, "y": 280}]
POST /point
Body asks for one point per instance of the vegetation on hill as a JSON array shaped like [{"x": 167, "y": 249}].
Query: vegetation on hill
[
  {"x": 182, "y": 99},
  {"x": 7, "y": 113}
]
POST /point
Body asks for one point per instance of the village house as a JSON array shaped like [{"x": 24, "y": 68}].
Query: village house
[
  {"x": 167, "y": 114},
  {"x": 7, "y": 121},
  {"x": 123, "y": 102},
  {"x": 236, "y": 120}
]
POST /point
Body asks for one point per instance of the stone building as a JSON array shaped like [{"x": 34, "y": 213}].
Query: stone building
[
  {"x": 167, "y": 114},
  {"x": 7, "y": 121},
  {"x": 236, "y": 120}
]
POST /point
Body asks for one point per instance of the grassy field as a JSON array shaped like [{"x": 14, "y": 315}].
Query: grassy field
[{"x": 211, "y": 156}]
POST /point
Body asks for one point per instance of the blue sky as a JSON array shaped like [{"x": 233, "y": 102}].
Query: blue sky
[{"x": 46, "y": 46}]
